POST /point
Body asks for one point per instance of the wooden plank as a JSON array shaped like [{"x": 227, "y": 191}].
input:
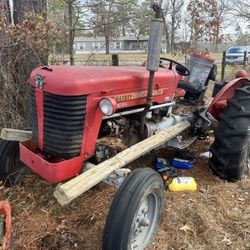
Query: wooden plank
[
  {"x": 115, "y": 179},
  {"x": 68, "y": 191},
  {"x": 15, "y": 134}
]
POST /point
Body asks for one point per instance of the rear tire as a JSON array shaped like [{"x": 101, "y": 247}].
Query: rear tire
[
  {"x": 231, "y": 147},
  {"x": 136, "y": 212},
  {"x": 11, "y": 168}
]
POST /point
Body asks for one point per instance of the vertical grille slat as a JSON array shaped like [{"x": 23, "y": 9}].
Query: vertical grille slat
[
  {"x": 64, "y": 118},
  {"x": 34, "y": 116}
]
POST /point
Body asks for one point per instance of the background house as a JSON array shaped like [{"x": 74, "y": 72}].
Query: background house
[{"x": 128, "y": 44}]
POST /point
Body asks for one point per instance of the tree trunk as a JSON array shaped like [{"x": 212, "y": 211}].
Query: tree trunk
[
  {"x": 123, "y": 30},
  {"x": 5, "y": 10},
  {"x": 20, "y": 54},
  {"x": 172, "y": 33},
  {"x": 166, "y": 33},
  {"x": 22, "y": 7},
  {"x": 71, "y": 32},
  {"x": 107, "y": 41}
]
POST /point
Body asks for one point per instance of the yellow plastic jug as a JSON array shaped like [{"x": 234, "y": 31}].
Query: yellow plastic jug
[{"x": 179, "y": 184}]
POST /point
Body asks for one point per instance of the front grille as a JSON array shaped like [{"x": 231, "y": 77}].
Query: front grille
[{"x": 64, "y": 118}]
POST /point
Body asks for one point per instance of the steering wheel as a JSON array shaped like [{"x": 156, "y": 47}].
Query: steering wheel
[{"x": 180, "y": 69}]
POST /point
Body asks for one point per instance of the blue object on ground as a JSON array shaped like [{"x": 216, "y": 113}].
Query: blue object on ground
[
  {"x": 181, "y": 164},
  {"x": 161, "y": 163}
]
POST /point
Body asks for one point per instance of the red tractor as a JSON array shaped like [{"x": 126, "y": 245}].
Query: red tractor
[{"x": 75, "y": 109}]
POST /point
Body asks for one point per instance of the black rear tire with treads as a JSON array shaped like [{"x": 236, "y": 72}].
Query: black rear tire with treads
[{"x": 230, "y": 150}]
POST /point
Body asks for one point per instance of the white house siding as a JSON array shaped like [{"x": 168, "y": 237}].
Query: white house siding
[{"x": 86, "y": 45}]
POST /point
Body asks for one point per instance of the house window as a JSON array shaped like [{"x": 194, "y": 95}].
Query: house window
[
  {"x": 117, "y": 45},
  {"x": 81, "y": 46},
  {"x": 136, "y": 46},
  {"x": 96, "y": 45}
]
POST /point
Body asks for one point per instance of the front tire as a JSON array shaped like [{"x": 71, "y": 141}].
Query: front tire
[
  {"x": 231, "y": 147},
  {"x": 136, "y": 212}
]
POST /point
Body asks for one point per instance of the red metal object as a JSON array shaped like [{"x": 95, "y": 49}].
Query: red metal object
[
  {"x": 219, "y": 103},
  {"x": 72, "y": 81},
  {"x": 180, "y": 92},
  {"x": 241, "y": 73},
  {"x": 127, "y": 86},
  {"x": 53, "y": 170},
  {"x": 5, "y": 211},
  {"x": 206, "y": 57}
]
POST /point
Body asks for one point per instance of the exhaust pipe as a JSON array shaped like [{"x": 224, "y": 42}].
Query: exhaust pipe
[{"x": 154, "y": 50}]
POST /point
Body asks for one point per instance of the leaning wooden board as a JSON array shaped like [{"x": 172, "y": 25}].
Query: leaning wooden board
[
  {"x": 68, "y": 191},
  {"x": 15, "y": 134}
]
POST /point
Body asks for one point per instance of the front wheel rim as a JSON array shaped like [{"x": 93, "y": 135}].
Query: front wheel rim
[{"x": 144, "y": 222}]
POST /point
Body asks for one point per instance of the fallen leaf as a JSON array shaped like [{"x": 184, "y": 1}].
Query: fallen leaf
[
  {"x": 186, "y": 228},
  {"x": 227, "y": 241}
]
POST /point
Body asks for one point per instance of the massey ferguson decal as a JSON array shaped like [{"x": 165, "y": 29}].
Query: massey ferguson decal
[{"x": 133, "y": 96}]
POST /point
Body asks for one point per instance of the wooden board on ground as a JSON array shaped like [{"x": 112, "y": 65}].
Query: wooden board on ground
[
  {"x": 10, "y": 134},
  {"x": 68, "y": 191}
]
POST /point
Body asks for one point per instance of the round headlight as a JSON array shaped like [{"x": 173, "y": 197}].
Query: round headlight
[{"x": 107, "y": 106}]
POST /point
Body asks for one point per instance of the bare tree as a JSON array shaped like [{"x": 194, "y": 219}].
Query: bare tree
[
  {"x": 166, "y": 26},
  {"x": 107, "y": 17},
  {"x": 175, "y": 14},
  {"x": 172, "y": 18},
  {"x": 72, "y": 16},
  {"x": 223, "y": 19},
  {"x": 241, "y": 8},
  {"x": 140, "y": 22},
  {"x": 21, "y": 7},
  {"x": 71, "y": 26},
  {"x": 205, "y": 20}
]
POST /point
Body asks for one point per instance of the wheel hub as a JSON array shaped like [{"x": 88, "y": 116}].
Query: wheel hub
[
  {"x": 144, "y": 222},
  {"x": 141, "y": 224}
]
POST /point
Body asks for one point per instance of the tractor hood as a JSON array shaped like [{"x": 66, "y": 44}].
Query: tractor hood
[{"x": 68, "y": 80}]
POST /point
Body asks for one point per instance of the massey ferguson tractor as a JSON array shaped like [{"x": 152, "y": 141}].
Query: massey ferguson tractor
[{"x": 88, "y": 123}]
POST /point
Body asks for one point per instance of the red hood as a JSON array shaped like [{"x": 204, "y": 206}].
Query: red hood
[{"x": 66, "y": 80}]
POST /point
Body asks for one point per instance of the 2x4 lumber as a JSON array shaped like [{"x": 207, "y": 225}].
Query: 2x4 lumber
[
  {"x": 10, "y": 134},
  {"x": 68, "y": 191}
]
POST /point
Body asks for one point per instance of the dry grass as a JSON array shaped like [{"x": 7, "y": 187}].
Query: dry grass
[
  {"x": 123, "y": 57},
  {"x": 217, "y": 216}
]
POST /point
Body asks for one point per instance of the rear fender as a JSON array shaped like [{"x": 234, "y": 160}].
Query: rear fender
[{"x": 219, "y": 102}]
